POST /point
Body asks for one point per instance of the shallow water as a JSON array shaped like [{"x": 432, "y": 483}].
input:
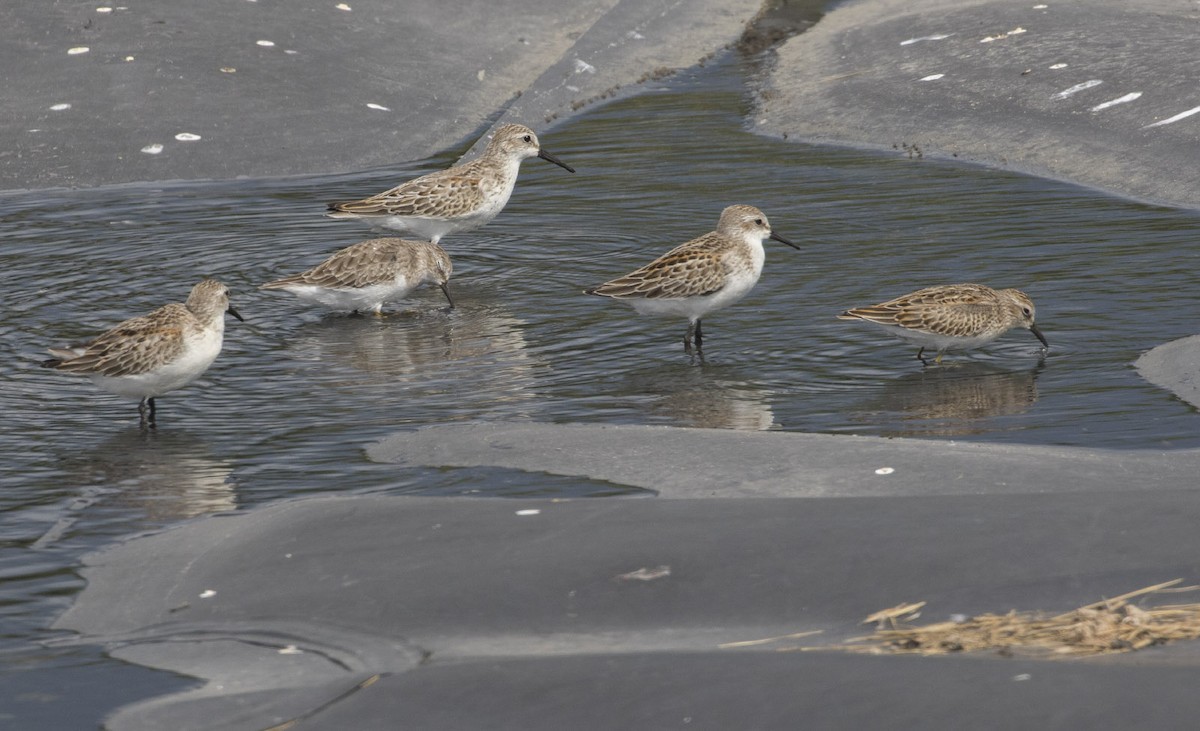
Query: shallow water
[{"x": 297, "y": 393}]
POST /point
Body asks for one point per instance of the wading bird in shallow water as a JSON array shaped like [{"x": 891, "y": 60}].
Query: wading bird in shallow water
[
  {"x": 145, "y": 357},
  {"x": 701, "y": 276},
  {"x": 460, "y": 198},
  {"x": 363, "y": 277},
  {"x": 952, "y": 317}
]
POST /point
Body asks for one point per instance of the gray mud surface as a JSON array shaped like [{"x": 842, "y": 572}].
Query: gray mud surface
[
  {"x": 304, "y": 88},
  {"x": 1097, "y": 92}
]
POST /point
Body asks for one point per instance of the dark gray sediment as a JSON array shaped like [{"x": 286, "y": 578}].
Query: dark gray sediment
[
  {"x": 1174, "y": 366},
  {"x": 1100, "y": 93},
  {"x": 693, "y": 463},
  {"x": 340, "y": 87},
  {"x": 634, "y": 613}
]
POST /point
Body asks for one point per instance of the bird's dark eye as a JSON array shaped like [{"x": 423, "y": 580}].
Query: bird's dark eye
[
  {"x": 528, "y": 138},
  {"x": 758, "y": 221},
  {"x": 1028, "y": 312}
]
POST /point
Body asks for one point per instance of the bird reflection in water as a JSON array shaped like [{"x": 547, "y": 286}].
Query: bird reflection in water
[
  {"x": 158, "y": 476},
  {"x": 692, "y": 398},
  {"x": 958, "y": 399},
  {"x": 433, "y": 353}
]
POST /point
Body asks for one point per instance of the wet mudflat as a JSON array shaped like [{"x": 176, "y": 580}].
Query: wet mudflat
[{"x": 289, "y": 406}]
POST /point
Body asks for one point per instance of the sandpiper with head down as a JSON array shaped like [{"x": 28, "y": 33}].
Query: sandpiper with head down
[
  {"x": 701, "y": 276},
  {"x": 148, "y": 356},
  {"x": 952, "y": 316},
  {"x": 362, "y": 277},
  {"x": 460, "y": 198}
]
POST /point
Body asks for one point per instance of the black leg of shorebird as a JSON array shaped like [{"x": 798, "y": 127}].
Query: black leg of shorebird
[
  {"x": 146, "y": 413},
  {"x": 699, "y": 337},
  {"x": 687, "y": 338}
]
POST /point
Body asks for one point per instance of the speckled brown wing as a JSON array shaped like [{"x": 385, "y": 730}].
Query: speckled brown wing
[
  {"x": 958, "y": 310},
  {"x": 136, "y": 346},
  {"x": 693, "y": 269},
  {"x": 361, "y": 265},
  {"x": 946, "y": 294},
  {"x": 444, "y": 194}
]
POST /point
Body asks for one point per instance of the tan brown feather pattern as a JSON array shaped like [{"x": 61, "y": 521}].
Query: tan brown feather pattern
[
  {"x": 693, "y": 269},
  {"x": 446, "y": 194},
  {"x": 366, "y": 263},
  {"x": 136, "y": 346},
  {"x": 952, "y": 316},
  {"x": 459, "y": 198},
  {"x": 961, "y": 310}
]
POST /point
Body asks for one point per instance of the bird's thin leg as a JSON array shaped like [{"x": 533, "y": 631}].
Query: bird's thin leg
[
  {"x": 153, "y": 412},
  {"x": 146, "y": 413},
  {"x": 687, "y": 338},
  {"x": 699, "y": 337},
  {"x": 446, "y": 291}
]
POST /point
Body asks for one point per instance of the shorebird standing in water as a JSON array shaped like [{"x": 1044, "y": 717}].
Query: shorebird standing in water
[
  {"x": 460, "y": 198},
  {"x": 145, "y": 357},
  {"x": 952, "y": 317},
  {"x": 363, "y": 277},
  {"x": 701, "y": 276}
]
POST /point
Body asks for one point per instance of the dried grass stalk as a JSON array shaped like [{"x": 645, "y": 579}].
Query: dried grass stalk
[{"x": 1111, "y": 625}]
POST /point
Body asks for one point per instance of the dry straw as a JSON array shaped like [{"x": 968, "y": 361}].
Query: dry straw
[{"x": 1111, "y": 625}]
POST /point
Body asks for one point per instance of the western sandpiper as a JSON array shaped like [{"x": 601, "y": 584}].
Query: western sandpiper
[
  {"x": 364, "y": 276},
  {"x": 703, "y": 275},
  {"x": 952, "y": 316},
  {"x": 148, "y": 356},
  {"x": 460, "y": 198}
]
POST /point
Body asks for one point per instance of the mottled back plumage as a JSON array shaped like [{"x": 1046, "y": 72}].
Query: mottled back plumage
[
  {"x": 456, "y": 199},
  {"x": 142, "y": 344},
  {"x": 374, "y": 262},
  {"x": 370, "y": 273},
  {"x": 705, "y": 274},
  {"x": 694, "y": 269},
  {"x": 147, "y": 356},
  {"x": 137, "y": 345},
  {"x": 952, "y": 316},
  {"x": 445, "y": 194}
]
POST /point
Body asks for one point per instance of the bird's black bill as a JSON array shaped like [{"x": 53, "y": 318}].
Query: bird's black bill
[
  {"x": 1038, "y": 333},
  {"x": 551, "y": 158},
  {"x": 235, "y": 313},
  {"x": 446, "y": 291},
  {"x": 776, "y": 237}
]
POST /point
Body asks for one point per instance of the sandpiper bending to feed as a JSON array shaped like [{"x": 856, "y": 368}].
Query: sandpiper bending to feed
[
  {"x": 703, "y": 275},
  {"x": 147, "y": 356},
  {"x": 952, "y": 316},
  {"x": 363, "y": 277},
  {"x": 460, "y": 198}
]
